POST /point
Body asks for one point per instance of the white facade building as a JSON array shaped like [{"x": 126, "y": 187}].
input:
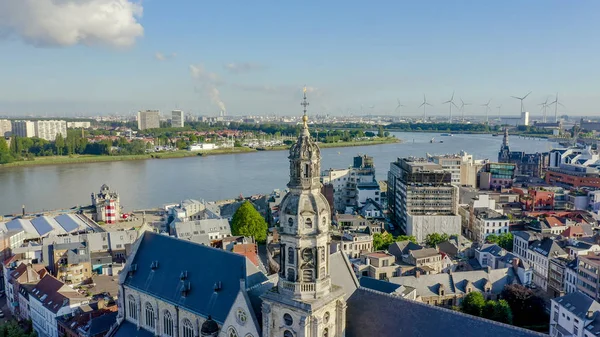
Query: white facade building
[
  {"x": 79, "y": 125},
  {"x": 574, "y": 315},
  {"x": 422, "y": 225},
  {"x": 487, "y": 222},
  {"x": 177, "y": 119},
  {"x": 571, "y": 277},
  {"x": 5, "y": 128},
  {"x": 48, "y": 130},
  {"x": 149, "y": 119}
]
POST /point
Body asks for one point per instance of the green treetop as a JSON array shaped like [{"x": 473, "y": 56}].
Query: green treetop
[{"x": 248, "y": 222}]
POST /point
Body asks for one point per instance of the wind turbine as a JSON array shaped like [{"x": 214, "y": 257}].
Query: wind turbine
[
  {"x": 521, "y": 99},
  {"x": 544, "y": 107},
  {"x": 556, "y": 103},
  {"x": 399, "y": 106},
  {"x": 462, "y": 108},
  {"x": 451, "y": 103},
  {"x": 487, "y": 109},
  {"x": 424, "y": 104},
  {"x": 499, "y": 107},
  {"x": 371, "y": 113}
]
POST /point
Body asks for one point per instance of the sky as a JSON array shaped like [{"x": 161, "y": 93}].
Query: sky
[{"x": 89, "y": 57}]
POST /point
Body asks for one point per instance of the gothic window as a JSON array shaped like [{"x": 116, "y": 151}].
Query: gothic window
[
  {"x": 322, "y": 272},
  {"x": 290, "y": 221},
  {"x": 167, "y": 323},
  {"x": 287, "y": 319},
  {"x": 187, "y": 328},
  {"x": 291, "y": 254},
  {"x": 288, "y": 333},
  {"x": 231, "y": 332},
  {"x": 291, "y": 275},
  {"x": 326, "y": 317},
  {"x": 241, "y": 317},
  {"x": 306, "y": 171},
  {"x": 325, "y": 332},
  {"x": 149, "y": 315},
  {"x": 324, "y": 221},
  {"x": 308, "y": 222},
  {"x": 132, "y": 306}
]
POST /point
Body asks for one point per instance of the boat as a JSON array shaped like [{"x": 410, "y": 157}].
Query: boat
[
  {"x": 447, "y": 134},
  {"x": 432, "y": 140},
  {"x": 495, "y": 135}
]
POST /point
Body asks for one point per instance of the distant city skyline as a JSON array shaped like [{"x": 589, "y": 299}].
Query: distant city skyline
[{"x": 254, "y": 58}]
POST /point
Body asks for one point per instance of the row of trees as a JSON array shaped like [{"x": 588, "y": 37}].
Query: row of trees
[
  {"x": 475, "y": 304},
  {"x": 13, "y": 329},
  {"x": 444, "y": 127},
  {"x": 504, "y": 240},
  {"x": 381, "y": 241}
]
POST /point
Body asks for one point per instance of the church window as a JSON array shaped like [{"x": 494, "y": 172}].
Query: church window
[
  {"x": 287, "y": 319},
  {"x": 306, "y": 171},
  {"x": 187, "y": 329},
  {"x": 322, "y": 272},
  {"x": 325, "y": 332},
  {"x": 231, "y": 332},
  {"x": 167, "y": 323},
  {"x": 241, "y": 316},
  {"x": 291, "y": 275},
  {"x": 288, "y": 333},
  {"x": 326, "y": 317},
  {"x": 149, "y": 315},
  {"x": 290, "y": 221},
  {"x": 308, "y": 222},
  {"x": 132, "y": 306},
  {"x": 291, "y": 255},
  {"x": 324, "y": 221}
]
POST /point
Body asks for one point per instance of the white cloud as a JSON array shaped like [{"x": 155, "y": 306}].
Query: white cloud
[
  {"x": 163, "y": 57},
  {"x": 60, "y": 23},
  {"x": 242, "y": 67}
]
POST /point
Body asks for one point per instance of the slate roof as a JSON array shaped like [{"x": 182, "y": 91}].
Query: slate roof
[
  {"x": 103, "y": 323},
  {"x": 341, "y": 273},
  {"x": 53, "y": 294},
  {"x": 205, "y": 267},
  {"x": 378, "y": 285},
  {"x": 547, "y": 247},
  {"x": 578, "y": 304},
  {"x": 425, "y": 252},
  {"x": 128, "y": 329},
  {"x": 372, "y": 313},
  {"x": 493, "y": 249}
]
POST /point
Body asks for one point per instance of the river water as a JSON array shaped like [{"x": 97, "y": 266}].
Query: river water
[{"x": 151, "y": 183}]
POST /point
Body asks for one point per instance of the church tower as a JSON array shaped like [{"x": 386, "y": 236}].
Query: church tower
[
  {"x": 304, "y": 304},
  {"x": 504, "y": 154}
]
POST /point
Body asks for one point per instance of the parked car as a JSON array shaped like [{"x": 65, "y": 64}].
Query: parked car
[{"x": 1, "y": 314}]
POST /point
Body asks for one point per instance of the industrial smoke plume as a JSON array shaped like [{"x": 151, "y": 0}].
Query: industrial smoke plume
[{"x": 209, "y": 81}]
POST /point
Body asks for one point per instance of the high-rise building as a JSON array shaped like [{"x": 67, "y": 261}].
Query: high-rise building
[
  {"x": 304, "y": 287},
  {"x": 48, "y": 130},
  {"x": 23, "y": 129},
  {"x": 422, "y": 199},
  {"x": 149, "y": 119},
  {"x": 5, "y": 128},
  {"x": 177, "y": 118}
]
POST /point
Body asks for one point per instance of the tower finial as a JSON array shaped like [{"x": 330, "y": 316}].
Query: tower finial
[{"x": 304, "y": 105}]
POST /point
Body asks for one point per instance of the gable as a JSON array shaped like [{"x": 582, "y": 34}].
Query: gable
[{"x": 242, "y": 307}]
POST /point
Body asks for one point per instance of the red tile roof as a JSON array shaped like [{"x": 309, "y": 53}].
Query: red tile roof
[{"x": 248, "y": 250}]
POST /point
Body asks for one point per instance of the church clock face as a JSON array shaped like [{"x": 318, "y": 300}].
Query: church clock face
[{"x": 307, "y": 255}]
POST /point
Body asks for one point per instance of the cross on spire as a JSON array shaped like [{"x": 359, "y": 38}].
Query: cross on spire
[{"x": 304, "y": 104}]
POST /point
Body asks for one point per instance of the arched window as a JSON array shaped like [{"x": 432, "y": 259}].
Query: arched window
[
  {"x": 325, "y": 332},
  {"x": 291, "y": 254},
  {"x": 231, "y": 332},
  {"x": 187, "y": 328},
  {"x": 149, "y": 315},
  {"x": 287, "y": 319},
  {"x": 132, "y": 307},
  {"x": 167, "y": 323},
  {"x": 326, "y": 317},
  {"x": 308, "y": 222},
  {"x": 307, "y": 274},
  {"x": 290, "y": 221},
  {"x": 324, "y": 221},
  {"x": 288, "y": 333},
  {"x": 291, "y": 275}
]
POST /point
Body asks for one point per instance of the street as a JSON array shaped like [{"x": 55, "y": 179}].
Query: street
[{"x": 5, "y": 310}]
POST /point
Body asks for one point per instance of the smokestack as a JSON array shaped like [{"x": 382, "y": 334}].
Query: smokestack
[{"x": 23, "y": 209}]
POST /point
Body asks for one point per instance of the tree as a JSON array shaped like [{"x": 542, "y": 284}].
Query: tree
[
  {"x": 492, "y": 238},
  {"x": 411, "y": 238},
  {"x": 380, "y": 131},
  {"x": 382, "y": 241},
  {"x": 59, "y": 144},
  {"x": 505, "y": 240},
  {"x": 527, "y": 308},
  {"x": 248, "y": 222},
  {"x": 5, "y": 155},
  {"x": 473, "y": 303},
  {"x": 434, "y": 238}
]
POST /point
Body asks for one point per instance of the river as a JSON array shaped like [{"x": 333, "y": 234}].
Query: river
[{"x": 151, "y": 183}]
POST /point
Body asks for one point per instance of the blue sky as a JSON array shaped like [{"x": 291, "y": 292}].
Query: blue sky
[{"x": 348, "y": 52}]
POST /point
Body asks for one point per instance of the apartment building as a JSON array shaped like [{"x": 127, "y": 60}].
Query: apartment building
[
  {"x": 79, "y": 125},
  {"x": 149, "y": 119},
  {"x": 5, "y": 128},
  {"x": 574, "y": 315},
  {"x": 24, "y": 129},
  {"x": 353, "y": 186},
  {"x": 377, "y": 265},
  {"x": 422, "y": 199},
  {"x": 588, "y": 275},
  {"x": 487, "y": 221},
  {"x": 353, "y": 244},
  {"x": 177, "y": 119},
  {"x": 49, "y": 130}
]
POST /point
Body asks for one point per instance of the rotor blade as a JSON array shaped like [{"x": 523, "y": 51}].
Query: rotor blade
[
  {"x": 559, "y": 103},
  {"x": 447, "y": 102},
  {"x": 516, "y": 97},
  {"x": 422, "y": 104},
  {"x": 526, "y": 95},
  {"x": 428, "y": 104},
  {"x": 455, "y": 105},
  {"x": 452, "y": 98}
]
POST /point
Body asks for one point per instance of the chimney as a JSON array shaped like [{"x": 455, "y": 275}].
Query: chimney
[
  {"x": 590, "y": 314},
  {"x": 417, "y": 273},
  {"x": 23, "y": 208},
  {"x": 515, "y": 263}
]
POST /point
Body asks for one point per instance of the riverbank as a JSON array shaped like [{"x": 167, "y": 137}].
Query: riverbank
[{"x": 74, "y": 159}]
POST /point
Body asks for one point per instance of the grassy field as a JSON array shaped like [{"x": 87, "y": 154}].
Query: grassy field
[{"x": 56, "y": 160}]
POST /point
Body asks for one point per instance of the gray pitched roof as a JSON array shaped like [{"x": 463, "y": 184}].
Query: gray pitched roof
[
  {"x": 372, "y": 313},
  {"x": 102, "y": 324},
  {"x": 378, "y": 285},
  {"x": 578, "y": 303},
  {"x": 128, "y": 329},
  {"x": 547, "y": 247},
  {"x": 204, "y": 266},
  {"x": 341, "y": 273},
  {"x": 491, "y": 248}
]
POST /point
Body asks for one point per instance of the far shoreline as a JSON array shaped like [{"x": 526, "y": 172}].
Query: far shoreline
[{"x": 86, "y": 159}]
